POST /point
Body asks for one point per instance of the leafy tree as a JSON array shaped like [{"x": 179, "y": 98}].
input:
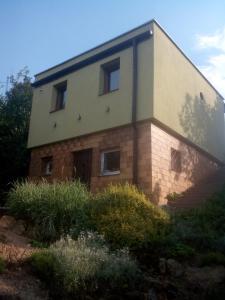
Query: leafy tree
[{"x": 15, "y": 107}]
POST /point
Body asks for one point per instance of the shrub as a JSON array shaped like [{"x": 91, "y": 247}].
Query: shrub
[
  {"x": 173, "y": 196},
  {"x": 126, "y": 217},
  {"x": 53, "y": 209},
  {"x": 84, "y": 266},
  {"x": 181, "y": 251},
  {"x": 45, "y": 265},
  {"x": 204, "y": 227},
  {"x": 212, "y": 258},
  {"x": 2, "y": 265}
]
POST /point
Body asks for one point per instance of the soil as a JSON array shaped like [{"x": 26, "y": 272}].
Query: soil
[{"x": 17, "y": 281}]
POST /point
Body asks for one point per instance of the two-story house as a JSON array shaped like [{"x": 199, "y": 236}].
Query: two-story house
[{"x": 133, "y": 109}]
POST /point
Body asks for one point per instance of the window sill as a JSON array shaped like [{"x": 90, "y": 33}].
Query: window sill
[
  {"x": 110, "y": 174},
  {"x": 109, "y": 92},
  {"x": 55, "y": 110}
]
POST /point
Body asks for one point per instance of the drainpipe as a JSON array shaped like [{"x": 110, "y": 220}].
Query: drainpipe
[{"x": 134, "y": 112}]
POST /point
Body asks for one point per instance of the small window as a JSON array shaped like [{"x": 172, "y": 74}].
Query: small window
[
  {"x": 111, "y": 76},
  {"x": 60, "y": 96},
  {"x": 110, "y": 162},
  {"x": 175, "y": 160},
  {"x": 47, "y": 166},
  {"x": 201, "y": 96}
]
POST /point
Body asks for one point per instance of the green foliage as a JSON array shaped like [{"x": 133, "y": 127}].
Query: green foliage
[
  {"x": 37, "y": 244},
  {"x": 126, "y": 217},
  {"x": 2, "y": 265},
  {"x": 84, "y": 265},
  {"x": 212, "y": 258},
  {"x": 15, "y": 107},
  {"x": 173, "y": 196},
  {"x": 181, "y": 251},
  {"x": 45, "y": 265},
  {"x": 53, "y": 209},
  {"x": 203, "y": 227}
]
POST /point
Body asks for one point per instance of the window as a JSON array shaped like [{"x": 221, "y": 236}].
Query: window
[
  {"x": 111, "y": 76},
  {"x": 60, "y": 96},
  {"x": 175, "y": 160},
  {"x": 47, "y": 166},
  {"x": 110, "y": 162}
]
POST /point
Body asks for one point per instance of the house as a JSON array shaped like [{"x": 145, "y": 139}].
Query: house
[{"x": 132, "y": 109}]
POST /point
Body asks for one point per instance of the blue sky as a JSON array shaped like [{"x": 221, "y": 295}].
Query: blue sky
[{"x": 40, "y": 34}]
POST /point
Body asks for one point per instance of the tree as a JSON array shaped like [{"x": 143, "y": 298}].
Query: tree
[{"x": 15, "y": 108}]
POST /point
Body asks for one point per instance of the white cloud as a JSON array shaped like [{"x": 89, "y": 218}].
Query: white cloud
[
  {"x": 216, "y": 40},
  {"x": 214, "y": 67}
]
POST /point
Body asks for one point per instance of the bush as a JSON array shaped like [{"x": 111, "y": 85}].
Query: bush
[
  {"x": 53, "y": 209},
  {"x": 181, "y": 251},
  {"x": 204, "y": 227},
  {"x": 85, "y": 265},
  {"x": 212, "y": 258},
  {"x": 126, "y": 217},
  {"x": 45, "y": 265},
  {"x": 2, "y": 265}
]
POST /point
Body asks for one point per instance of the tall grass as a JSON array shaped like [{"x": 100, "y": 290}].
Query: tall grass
[{"x": 53, "y": 209}]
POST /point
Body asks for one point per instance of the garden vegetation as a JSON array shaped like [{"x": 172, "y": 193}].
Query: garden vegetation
[{"x": 111, "y": 238}]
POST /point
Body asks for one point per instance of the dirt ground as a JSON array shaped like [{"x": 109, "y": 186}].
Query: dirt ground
[{"x": 17, "y": 281}]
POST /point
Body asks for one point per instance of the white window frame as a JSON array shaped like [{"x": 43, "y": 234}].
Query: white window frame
[{"x": 104, "y": 172}]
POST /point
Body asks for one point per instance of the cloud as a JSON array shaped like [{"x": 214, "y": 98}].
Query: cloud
[
  {"x": 214, "y": 66},
  {"x": 216, "y": 40}
]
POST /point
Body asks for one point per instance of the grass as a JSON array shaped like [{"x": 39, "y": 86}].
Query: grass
[{"x": 53, "y": 209}]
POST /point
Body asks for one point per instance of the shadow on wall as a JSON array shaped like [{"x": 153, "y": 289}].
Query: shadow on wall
[
  {"x": 197, "y": 119},
  {"x": 156, "y": 193}
]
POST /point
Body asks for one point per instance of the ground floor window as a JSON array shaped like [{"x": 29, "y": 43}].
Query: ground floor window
[
  {"x": 175, "y": 160},
  {"x": 110, "y": 162},
  {"x": 47, "y": 166}
]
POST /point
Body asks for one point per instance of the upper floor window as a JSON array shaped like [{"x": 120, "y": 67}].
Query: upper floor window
[
  {"x": 111, "y": 76},
  {"x": 60, "y": 94},
  {"x": 47, "y": 166}
]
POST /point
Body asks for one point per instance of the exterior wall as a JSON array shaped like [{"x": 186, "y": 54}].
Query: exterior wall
[
  {"x": 177, "y": 102},
  {"x": 121, "y": 138},
  {"x": 83, "y": 87},
  {"x": 195, "y": 166}
]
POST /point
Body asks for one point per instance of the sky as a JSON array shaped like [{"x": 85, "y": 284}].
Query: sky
[{"x": 42, "y": 33}]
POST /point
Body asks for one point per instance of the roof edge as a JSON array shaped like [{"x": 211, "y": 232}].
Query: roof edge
[
  {"x": 190, "y": 61},
  {"x": 96, "y": 47}
]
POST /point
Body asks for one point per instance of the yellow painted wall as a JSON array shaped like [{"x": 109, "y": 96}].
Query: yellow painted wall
[
  {"x": 83, "y": 99},
  {"x": 177, "y": 101},
  {"x": 164, "y": 74}
]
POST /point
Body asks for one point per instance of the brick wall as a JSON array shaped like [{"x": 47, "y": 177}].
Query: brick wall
[
  {"x": 195, "y": 166},
  {"x": 154, "y": 164},
  {"x": 121, "y": 138}
]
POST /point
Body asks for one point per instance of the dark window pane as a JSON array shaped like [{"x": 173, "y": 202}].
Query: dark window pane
[
  {"x": 114, "y": 80},
  {"x": 61, "y": 95},
  {"x": 111, "y": 162},
  {"x": 111, "y": 76},
  {"x": 47, "y": 166},
  {"x": 175, "y": 160}
]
